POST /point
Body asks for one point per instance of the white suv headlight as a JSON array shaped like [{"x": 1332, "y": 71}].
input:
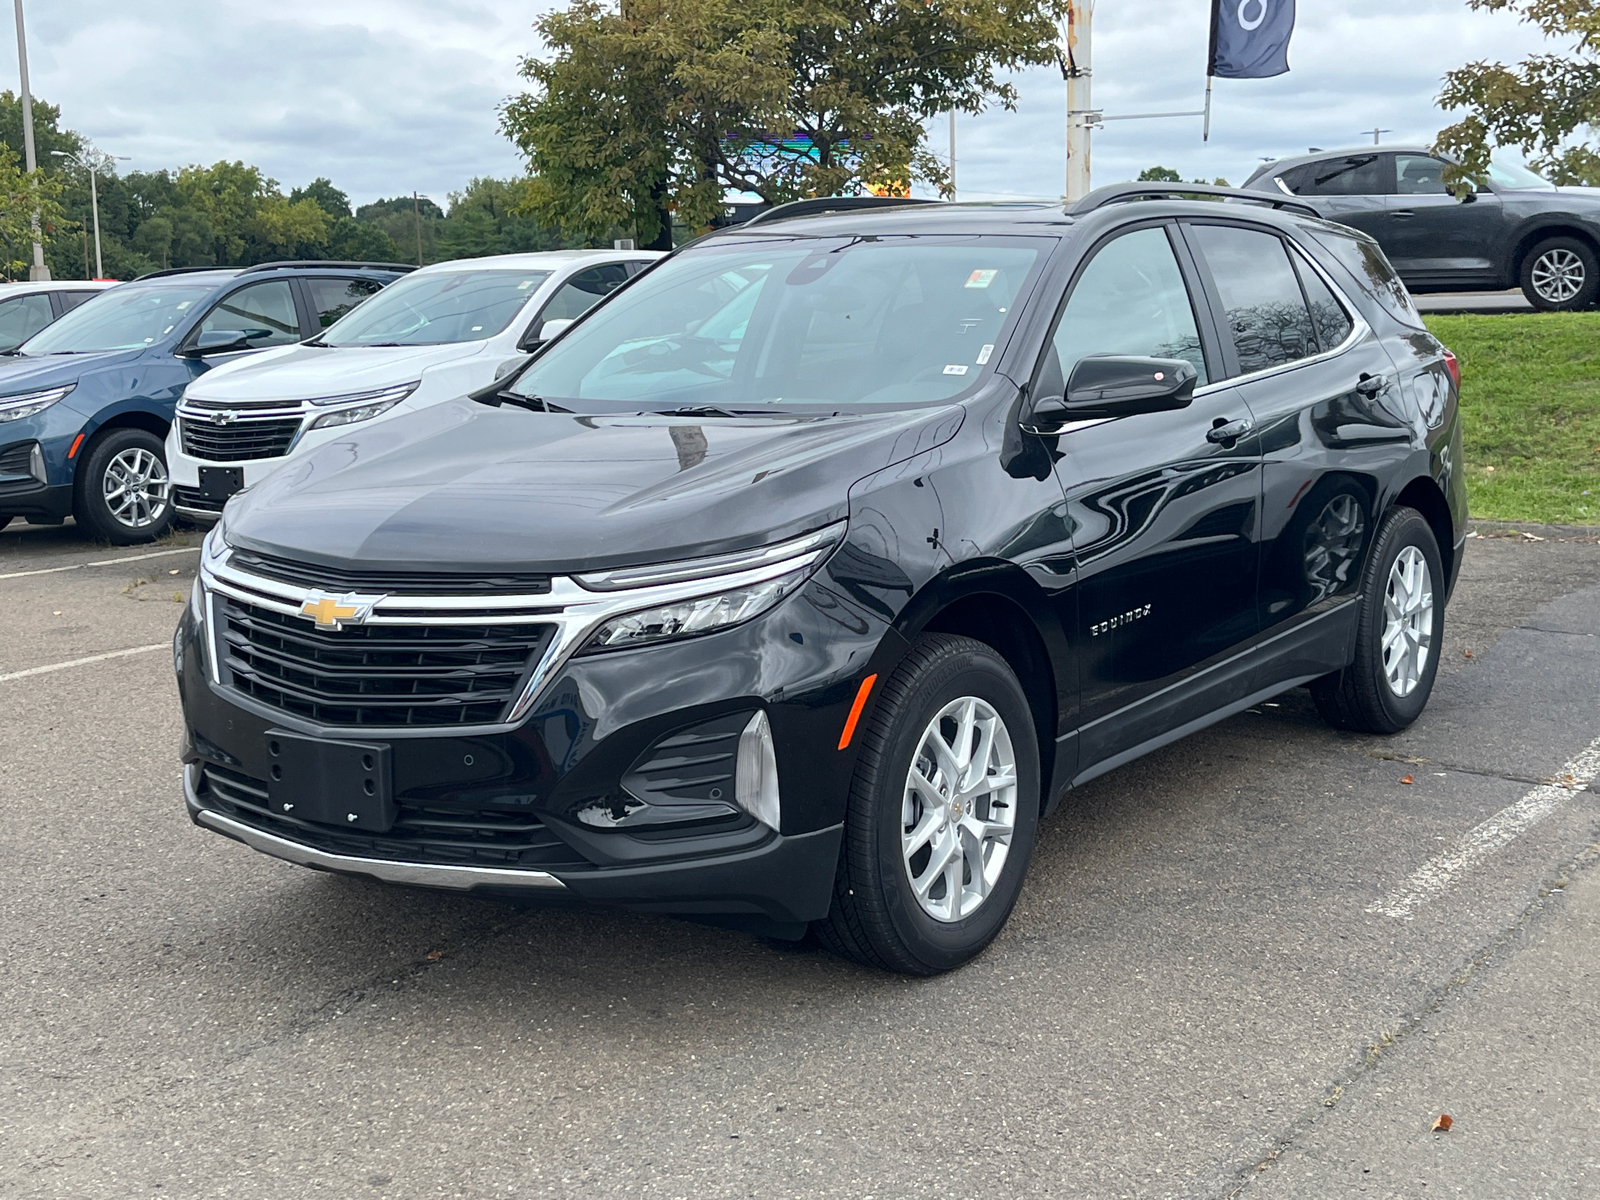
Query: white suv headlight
[
  {"x": 359, "y": 406},
  {"x": 14, "y": 408}
]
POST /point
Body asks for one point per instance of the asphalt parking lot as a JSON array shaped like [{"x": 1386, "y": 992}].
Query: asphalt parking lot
[{"x": 1258, "y": 963}]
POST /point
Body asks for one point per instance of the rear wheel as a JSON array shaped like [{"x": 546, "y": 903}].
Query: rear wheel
[
  {"x": 942, "y": 815},
  {"x": 124, "y": 494},
  {"x": 1561, "y": 274},
  {"x": 1398, "y": 633}
]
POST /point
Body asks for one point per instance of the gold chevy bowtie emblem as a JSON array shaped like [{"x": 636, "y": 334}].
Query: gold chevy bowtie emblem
[{"x": 334, "y": 612}]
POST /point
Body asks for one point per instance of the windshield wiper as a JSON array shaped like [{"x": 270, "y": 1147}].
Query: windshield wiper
[
  {"x": 12, "y": 353},
  {"x": 316, "y": 341},
  {"x": 505, "y": 396},
  {"x": 712, "y": 410}
]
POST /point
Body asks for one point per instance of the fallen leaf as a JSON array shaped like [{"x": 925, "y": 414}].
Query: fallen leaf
[
  {"x": 1407, "y": 779},
  {"x": 171, "y": 572},
  {"x": 56, "y": 613},
  {"x": 1443, "y": 1124},
  {"x": 1468, "y": 653},
  {"x": 435, "y": 955},
  {"x": 1490, "y": 470}
]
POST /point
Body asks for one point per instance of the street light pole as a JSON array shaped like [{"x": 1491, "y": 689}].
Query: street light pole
[
  {"x": 39, "y": 271},
  {"x": 1077, "y": 65},
  {"x": 90, "y": 161},
  {"x": 416, "y": 207}
]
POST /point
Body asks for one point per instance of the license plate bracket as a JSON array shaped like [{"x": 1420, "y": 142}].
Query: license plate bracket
[
  {"x": 220, "y": 483},
  {"x": 345, "y": 784}
]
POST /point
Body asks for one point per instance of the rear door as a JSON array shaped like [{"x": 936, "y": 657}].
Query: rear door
[
  {"x": 1323, "y": 391},
  {"x": 1164, "y": 512},
  {"x": 1434, "y": 238}
]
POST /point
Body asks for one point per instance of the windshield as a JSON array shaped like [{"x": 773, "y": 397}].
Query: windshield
[
  {"x": 794, "y": 323},
  {"x": 1508, "y": 174},
  {"x": 437, "y": 308},
  {"x": 129, "y": 317}
]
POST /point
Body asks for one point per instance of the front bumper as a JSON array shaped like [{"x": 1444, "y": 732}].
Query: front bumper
[{"x": 576, "y": 800}]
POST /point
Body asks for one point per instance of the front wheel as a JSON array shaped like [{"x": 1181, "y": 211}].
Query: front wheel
[
  {"x": 1561, "y": 274},
  {"x": 943, "y": 810},
  {"x": 1399, "y": 630},
  {"x": 124, "y": 494}
]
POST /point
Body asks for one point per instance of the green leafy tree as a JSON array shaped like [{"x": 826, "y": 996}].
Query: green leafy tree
[
  {"x": 659, "y": 107},
  {"x": 327, "y": 197},
  {"x": 22, "y": 196},
  {"x": 1159, "y": 175},
  {"x": 1538, "y": 105}
]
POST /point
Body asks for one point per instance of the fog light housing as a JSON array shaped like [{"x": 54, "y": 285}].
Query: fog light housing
[{"x": 755, "y": 786}]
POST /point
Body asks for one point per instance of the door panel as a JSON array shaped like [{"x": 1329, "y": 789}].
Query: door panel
[{"x": 1163, "y": 518}]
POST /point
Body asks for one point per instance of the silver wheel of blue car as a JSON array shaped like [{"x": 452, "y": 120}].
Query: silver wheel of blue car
[
  {"x": 123, "y": 492},
  {"x": 137, "y": 490}
]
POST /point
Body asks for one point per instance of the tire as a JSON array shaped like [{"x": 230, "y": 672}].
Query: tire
[
  {"x": 123, "y": 493},
  {"x": 877, "y": 917},
  {"x": 1375, "y": 694},
  {"x": 1561, "y": 274}
]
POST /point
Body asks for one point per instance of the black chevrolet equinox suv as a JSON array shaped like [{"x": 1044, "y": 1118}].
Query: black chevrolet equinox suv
[{"x": 795, "y": 583}]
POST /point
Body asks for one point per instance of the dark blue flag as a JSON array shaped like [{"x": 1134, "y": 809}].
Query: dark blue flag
[{"x": 1250, "y": 38}]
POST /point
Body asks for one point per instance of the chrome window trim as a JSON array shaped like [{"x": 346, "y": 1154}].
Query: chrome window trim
[{"x": 573, "y": 610}]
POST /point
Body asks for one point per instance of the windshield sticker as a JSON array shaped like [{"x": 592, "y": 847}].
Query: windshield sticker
[
  {"x": 956, "y": 369},
  {"x": 983, "y": 355},
  {"x": 185, "y": 305},
  {"x": 525, "y": 285},
  {"x": 981, "y": 279}
]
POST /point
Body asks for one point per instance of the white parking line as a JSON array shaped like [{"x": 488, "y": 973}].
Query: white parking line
[
  {"x": 79, "y": 662},
  {"x": 104, "y": 562},
  {"x": 1500, "y": 830}
]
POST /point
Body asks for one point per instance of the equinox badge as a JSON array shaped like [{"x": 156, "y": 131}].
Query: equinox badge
[{"x": 335, "y": 612}]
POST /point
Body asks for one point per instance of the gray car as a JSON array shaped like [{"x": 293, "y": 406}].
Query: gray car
[{"x": 1515, "y": 230}]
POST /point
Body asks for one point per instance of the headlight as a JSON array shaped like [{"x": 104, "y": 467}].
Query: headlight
[
  {"x": 689, "y": 617},
  {"x": 14, "y": 408},
  {"x": 733, "y": 588},
  {"x": 359, "y": 406}
]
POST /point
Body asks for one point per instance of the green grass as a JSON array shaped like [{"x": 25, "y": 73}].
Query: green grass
[{"x": 1530, "y": 400}]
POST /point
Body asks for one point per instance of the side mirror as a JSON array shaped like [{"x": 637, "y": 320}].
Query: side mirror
[
  {"x": 1469, "y": 197},
  {"x": 545, "y": 332},
  {"x": 221, "y": 341},
  {"x": 1105, "y": 385}
]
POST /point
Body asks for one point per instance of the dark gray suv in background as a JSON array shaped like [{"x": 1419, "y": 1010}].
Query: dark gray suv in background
[{"x": 1516, "y": 230}]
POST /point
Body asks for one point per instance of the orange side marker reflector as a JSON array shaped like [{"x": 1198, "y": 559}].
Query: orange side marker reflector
[
  {"x": 76, "y": 442},
  {"x": 862, "y": 693}
]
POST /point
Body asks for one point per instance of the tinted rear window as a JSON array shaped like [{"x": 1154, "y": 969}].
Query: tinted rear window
[{"x": 1361, "y": 257}]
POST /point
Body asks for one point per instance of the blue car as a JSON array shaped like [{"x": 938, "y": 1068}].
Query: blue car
[{"x": 85, "y": 403}]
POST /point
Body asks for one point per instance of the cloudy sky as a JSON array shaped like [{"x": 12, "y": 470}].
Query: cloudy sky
[{"x": 387, "y": 96}]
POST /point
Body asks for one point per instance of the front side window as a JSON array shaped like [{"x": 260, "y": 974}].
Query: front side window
[
  {"x": 1263, "y": 306},
  {"x": 837, "y": 323},
  {"x": 21, "y": 317},
  {"x": 584, "y": 290},
  {"x": 333, "y": 298},
  {"x": 438, "y": 308},
  {"x": 1355, "y": 175},
  {"x": 1419, "y": 175},
  {"x": 1130, "y": 300},
  {"x": 129, "y": 317},
  {"x": 263, "y": 312}
]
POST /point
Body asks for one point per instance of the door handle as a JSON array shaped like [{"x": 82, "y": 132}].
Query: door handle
[
  {"x": 1370, "y": 385},
  {"x": 1225, "y": 433},
  {"x": 1403, "y": 212}
]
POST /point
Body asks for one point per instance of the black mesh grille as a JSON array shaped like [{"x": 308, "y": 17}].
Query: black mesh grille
[
  {"x": 14, "y": 460},
  {"x": 376, "y": 675},
  {"x": 394, "y": 583},
  {"x": 422, "y": 833},
  {"x": 237, "y": 442},
  {"x": 196, "y": 501}
]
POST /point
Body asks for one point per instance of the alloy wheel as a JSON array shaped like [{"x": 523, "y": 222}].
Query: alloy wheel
[
  {"x": 1558, "y": 275},
  {"x": 960, "y": 809},
  {"x": 136, "y": 488},
  {"x": 1408, "y": 621}
]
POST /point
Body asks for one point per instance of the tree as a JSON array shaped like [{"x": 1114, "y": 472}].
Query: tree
[
  {"x": 1538, "y": 105},
  {"x": 1159, "y": 175},
  {"x": 327, "y": 197},
  {"x": 661, "y": 106},
  {"x": 22, "y": 195}
]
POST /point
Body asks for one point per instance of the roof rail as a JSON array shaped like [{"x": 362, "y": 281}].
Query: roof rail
[
  {"x": 180, "y": 271},
  {"x": 822, "y": 206},
  {"x": 1119, "y": 193},
  {"x": 327, "y": 262}
]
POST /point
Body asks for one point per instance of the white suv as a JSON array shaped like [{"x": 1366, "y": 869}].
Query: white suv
[{"x": 440, "y": 332}]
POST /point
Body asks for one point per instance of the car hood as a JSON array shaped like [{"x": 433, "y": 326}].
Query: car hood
[
  {"x": 32, "y": 373},
  {"x": 305, "y": 372},
  {"x": 462, "y": 486}
]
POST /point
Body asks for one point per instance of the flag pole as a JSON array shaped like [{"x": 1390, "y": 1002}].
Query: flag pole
[{"x": 1211, "y": 67}]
